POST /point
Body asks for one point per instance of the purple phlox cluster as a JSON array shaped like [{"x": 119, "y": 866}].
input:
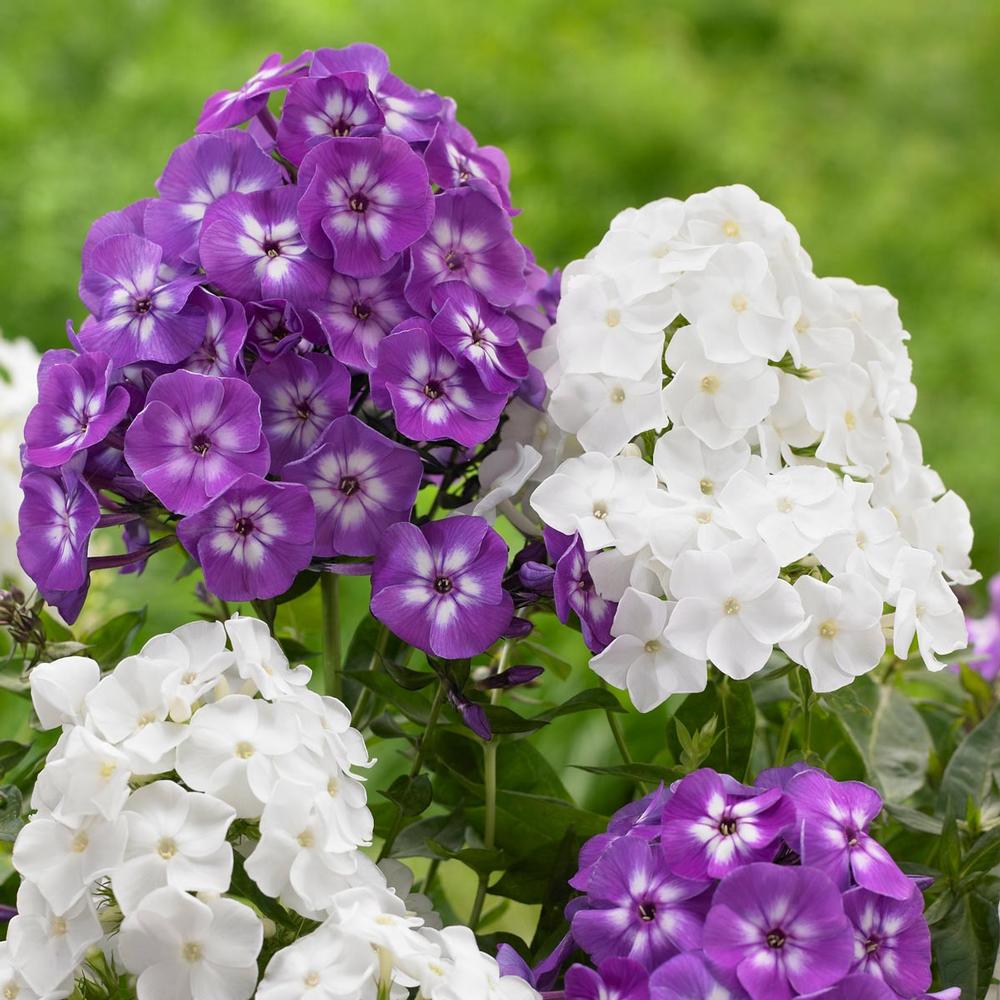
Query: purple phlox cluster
[
  {"x": 984, "y": 635},
  {"x": 712, "y": 889},
  {"x": 323, "y": 308}
]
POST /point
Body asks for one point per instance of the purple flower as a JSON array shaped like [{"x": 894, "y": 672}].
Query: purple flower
[
  {"x": 233, "y": 107},
  {"x": 198, "y": 173},
  {"x": 76, "y": 408},
  {"x": 253, "y": 539},
  {"x": 196, "y": 436},
  {"x": 251, "y": 248},
  {"x": 274, "y": 326},
  {"x": 984, "y": 636},
  {"x": 855, "y": 988},
  {"x": 711, "y": 830},
  {"x": 575, "y": 592},
  {"x": 127, "y": 221},
  {"x": 440, "y": 587},
  {"x": 364, "y": 200},
  {"x": 300, "y": 394},
  {"x": 360, "y": 483},
  {"x": 358, "y": 313},
  {"x": 225, "y": 333},
  {"x": 834, "y": 817},
  {"x": 687, "y": 977},
  {"x": 58, "y": 513},
  {"x": 317, "y": 109},
  {"x": 470, "y": 240},
  {"x": 138, "y": 316},
  {"x": 454, "y": 159},
  {"x": 781, "y": 930},
  {"x": 637, "y": 908},
  {"x": 472, "y": 330},
  {"x": 434, "y": 396},
  {"x": 891, "y": 939},
  {"x": 616, "y": 979},
  {"x": 411, "y": 114}
]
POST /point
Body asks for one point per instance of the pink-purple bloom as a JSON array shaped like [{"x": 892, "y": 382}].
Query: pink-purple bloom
[
  {"x": 221, "y": 349},
  {"x": 984, "y": 636},
  {"x": 440, "y": 587},
  {"x": 454, "y": 159},
  {"x": 575, "y": 593},
  {"x": 614, "y": 979}
]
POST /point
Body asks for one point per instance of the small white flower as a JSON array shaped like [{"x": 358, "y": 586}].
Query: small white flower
[
  {"x": 230, "y": 750},
  {"x": 183, "y": 948},
  {"x": 732, "y": 608},
  {"x": 59, "y": 689},
  {"x": 944, "y": 528},
  {"x": 821, "y": 333},
  {"x": 199, "y": 656},
  {"x": 260, "y": 659},
  {"x": 736, "y": 214},
  {"x": 13, "y": 984},
  {"x": 641, "y": 658},
  {"x": 843, "y": 637},
  {"x": 502, "y": 474},
  {"x": 379, "y": 917},
  {"x": 690, "y": 469},
  {"x": 175, "y": 837},
  {"x": 463, "y": 971}
]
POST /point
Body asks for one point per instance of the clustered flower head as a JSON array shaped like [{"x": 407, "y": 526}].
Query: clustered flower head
[
  {"x": 317, "y": 314},
  {"x": 717, "y": 890},
  {"x": 195, "y": 788},
  {"x": 725, "y": 459}
]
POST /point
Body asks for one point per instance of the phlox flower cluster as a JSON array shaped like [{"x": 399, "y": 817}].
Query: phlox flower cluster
[
  {"x": 316, "y": 314},
  {"x": 716, "y": 890},
  {"x": 725, "y": 465},
  {"x": 194, "y": 787}
]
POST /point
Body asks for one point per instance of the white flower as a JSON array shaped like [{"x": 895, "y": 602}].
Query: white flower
[
  {"x": 595, "y": 495},
  {"x": 230, "y": 750},
  {"x": 463, "y": 971},
  {"x": 59, "y": 688},
  {"x": 717, "y": 402},
  {"x": 260, "y": 659},
  {"x": 13, "y": 983},
  {"x": 690, "y": 469},
  {"x": 64, "y": 861},
  {"x": 843, "y": 637},
  {"x": 175, "y": 837},
  {"x": 821, "y": 333},
  {"x": 732, "y": 608},
  {"x": 399, "y": 878},
  {"x": 328, "y": 964},
  {"x": 792, "y": 511},
  {"x": 944, "y": 529},
  {"x": 925, "y": 607},
  {"x": 641, "y": 658},
  {"x": 735, "y": 214},
  {"x": 183, "y": 948},
  {"x": 501, "y": 476},
  {"x": 293, "y": 859},
  {"x": 47, "y": 944}
]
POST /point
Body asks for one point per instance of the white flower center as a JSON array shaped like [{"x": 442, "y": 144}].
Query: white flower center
[
  {"x": 731, "y": 229},
  {"x": 332, "y": 787},
  {"x": 166, "y": 848},
  {"x": 79, "y": 843},
  {"x": 617, "y": 394},
  {"x": 108, "y": 768},
  {"x": 244, "y": 750},
  {"x": 785, "y": 506},
  {"x": 145, "y": 719},
  {"x": 600, "y": 510},
  {"x": 612, "y": 317},
  {"x": 191, "y": 952},
  {"x": 828, "y": 629},
  {"x": 660, "y": 250},
  {"x": 739, "y": 302},
  {"x": 57, "y": 928},
  {"x": 311, "y": 979},
  {"x": 306, "y": 839},
  {"x": 703, "y": 517},
  {"x": 710, "y": 384},
  {"x": 707, "y": 487},
  {"x": 11, "y": 991},
  {"x": 653, "y": 646},
  {"x": 189, "y": 678},
  {"x": 850, "y": 420},
  {"x": 861, "y": 539},
  {"x": 731, "y": 606},
  {"x": 801, "y": 324}
]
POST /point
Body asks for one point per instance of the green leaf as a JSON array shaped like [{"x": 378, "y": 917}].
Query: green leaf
[
  {"x": 891, "y": 737},
  {"x": 11, "y": 803},
  {"x": 10, "y": 752},
  {"x": 914, "y": 820},
  {"x": 524, "y": 820},
  {"x": 113, "y": 640},
  {"x": 965, "y": 944},
  {"x": 649, "y": 773},
  {"x": 529, "y": 880},
  {"x": 974, "y": 766},
  {"x": 416, "y": 707},
  {"x": 556, "y": 664},
  {"x": 434, "y": 837},
  {"x": 481, "y": 860},
  {"x": 728, "y": 746},
  {"x": 984, "y": 855},
  {"x": 592, "y": 700},
  {"x": 412, "y": 795},
  {"x": 504, "y": 720},
  {"x": 302, "y": 584},
  {"x": 412, "y": 680}
]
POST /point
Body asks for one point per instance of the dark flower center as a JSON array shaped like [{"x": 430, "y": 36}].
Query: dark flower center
[
  {"x": 279, "y": 332},
  {"x": 728, "y": 827},
  {"x": 361, "y": 310},
  {"x": 200, "y": 443},
  {"x": 348, "y": 485},
  {"x": 272, "y": 249},
  {"x": 143, "y": 305},
  {"x": 463, "y": 175},
  {"x": 340, "y": 128},
  {"x": 852, "y": 837},
  {"x": 776, "y": 939},
  {"x": 477, "y": 334},
  {"x": 303, "y": 410},
  {"x": 243, "y": 526},
  {"x": 584, "y": 583},
  {"x": 647, "y": 912},
  {"x": 432, "y": 390},
  {"x": 453, "y": 261},
  {"x": 443, "y": 585},
  {"x": 872, "y": 945},
  {"x": 358, "y": 203}
]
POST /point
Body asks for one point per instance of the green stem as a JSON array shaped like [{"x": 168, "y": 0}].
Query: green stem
[
  {"x": 358, "y": 715},
  {"x": 331, "y": 635},
  {"x": 490, "y": 826},
  {"x": 784, "y": 739},
  {"x": 619, "y": 735},
  {"x": 418, "y": 763},
  {"x": 432, "y": 870}
]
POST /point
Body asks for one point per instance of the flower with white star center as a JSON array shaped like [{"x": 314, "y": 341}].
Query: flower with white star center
[
  {"x": 175, "y": 837},
  {"x": 183, "y": 948},
  {"x": 718, "y": 402},
  {"x": 732, "y": 608},
  {"x": 230, "y": 750},
  {"x": 925, "y": 608},
  {"x": 327, "y": 964},
  {"x": 791, "y": 511},
  {"x": 641, "y": 658},
  {"x": 596, "y": 496},
  {"x": 843, "y": 637},
  {"x": 64, "y": 861},
  {"x": 59, "y": 690},
  {"x": 260, "y": 659},
  {"x": 47, "y": 945},
  {"x": 690, "y": 469}
]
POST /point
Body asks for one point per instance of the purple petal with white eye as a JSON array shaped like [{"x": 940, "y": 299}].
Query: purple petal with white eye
[
  {"x": 470, "y": 240},
  {"x": 253, "y": 539},
  {"x": 360, "y": 57},
  {"x": 318, "y": 109},
  {"x": 76, "y": 408},
  {"x": 198, "y": 173},
  {"x": 687, "y": 977},
  {"x": 196, "y": 436},
  {"x": 858, "y": 987},
  {"x": 129, "y": 220},
  {"x": 454, "y": 159},
  {"x": 574, "y": 592},
  {"x": 225, "y": 333},
  {"x": 300, "y": 394},
  {"x": 274, "y": 326},
  {"x": 360, "y": 483},
  {"x": 251, "y": 248},
  {"x": 358, "y": 313},
  {"x": 365, "y": 200},
  {"x": 616, "y": 979}
]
